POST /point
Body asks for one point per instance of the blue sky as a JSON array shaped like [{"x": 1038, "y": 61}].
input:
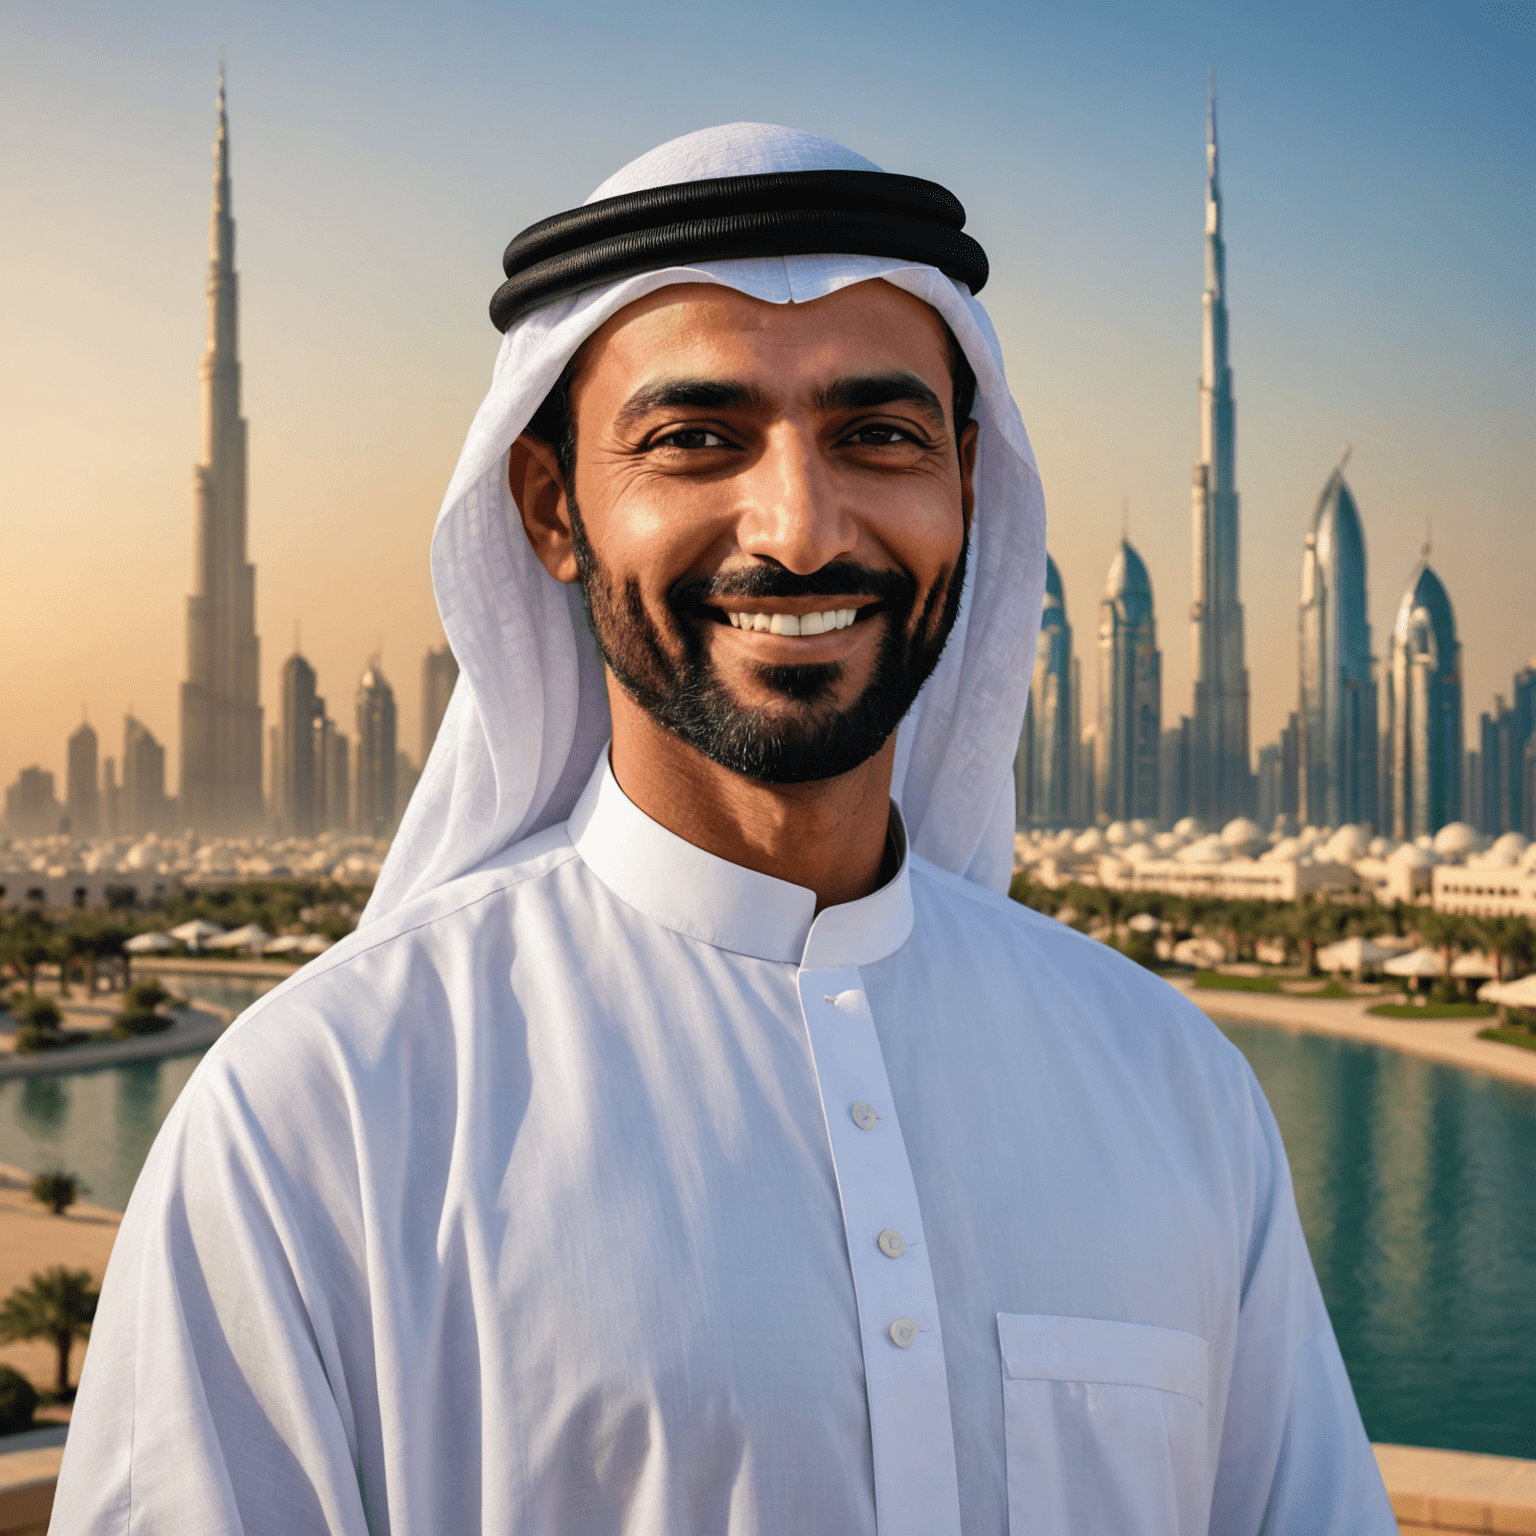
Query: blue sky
[{"x": 1380, "y": 203}]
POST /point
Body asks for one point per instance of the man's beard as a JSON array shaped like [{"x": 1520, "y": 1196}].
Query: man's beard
[{"x": 687, "y": 696}]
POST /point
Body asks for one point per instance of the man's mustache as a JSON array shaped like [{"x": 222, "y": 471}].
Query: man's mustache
[{"x": 840, "y": 578}]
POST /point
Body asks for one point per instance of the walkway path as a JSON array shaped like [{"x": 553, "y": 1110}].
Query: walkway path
[{"x": 1453, "y": 1041}]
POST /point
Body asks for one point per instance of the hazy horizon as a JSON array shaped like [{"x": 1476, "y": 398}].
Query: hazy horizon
[{"x": 1378, "y": 206}]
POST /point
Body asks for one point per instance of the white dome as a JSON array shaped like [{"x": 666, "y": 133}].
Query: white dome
[
  {"x": 1509, "y": 847},
  {"x": 1188, "y": 827},
  {"x": 1381, "y": 847},
  {"x": 1411, "y": 856},
  {"x": 1091, "y": 841},
  {"x": 1456, "y": 840},
  {"x": 1117, "y": 834},
  {"x": 1243, "y": 836},
  {"x": 1141, "y": 830},
  {"x": 1286, "y": 851},
  {"x": 1166, "y": 842},
  {"x": 1137, "y": 853},
  {"x": 1208, "y": 850},
  {"x": 1346, "y": 845}
]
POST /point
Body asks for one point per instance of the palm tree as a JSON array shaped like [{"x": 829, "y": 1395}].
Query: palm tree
[
  {"x": 57, "y": 1305},
  {"x": 1504, "y": 938}
]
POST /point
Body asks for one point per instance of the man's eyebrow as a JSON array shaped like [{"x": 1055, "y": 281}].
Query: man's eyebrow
[
  {"x": 688, "y": 395},
  {"x": 865, "y": 391}
]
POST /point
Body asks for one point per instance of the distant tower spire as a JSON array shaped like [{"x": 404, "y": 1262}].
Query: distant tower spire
[
  {"x": 1344, "y": 452},
  {"x": 1221, "y": 775},
  {"x": 221, "y": 735}
]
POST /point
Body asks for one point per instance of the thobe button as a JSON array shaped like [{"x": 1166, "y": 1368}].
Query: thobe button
[
  {"x": 844, "y": 1002},
  {"x": 892, "y": 1244},
  {"x": 903, "y": 1332},
  {"x": 864, "y": 1115}
]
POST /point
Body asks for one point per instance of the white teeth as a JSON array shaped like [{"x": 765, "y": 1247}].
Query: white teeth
[{"x": 795, "y": 624}]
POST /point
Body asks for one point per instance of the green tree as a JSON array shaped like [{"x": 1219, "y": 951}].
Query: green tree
[
  {"x": 58, "y": 1305},
  {"x": 57, "y": 1189},
  {"x": 1504, "y": 939}
]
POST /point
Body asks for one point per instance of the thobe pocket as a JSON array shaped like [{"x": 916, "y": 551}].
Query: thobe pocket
[{"x": 1105, "y": 1424}]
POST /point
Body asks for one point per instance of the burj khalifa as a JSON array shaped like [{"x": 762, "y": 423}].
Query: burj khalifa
[
  {"x": 1221, "y": 782},
  {"x": 220, "y": 700}
]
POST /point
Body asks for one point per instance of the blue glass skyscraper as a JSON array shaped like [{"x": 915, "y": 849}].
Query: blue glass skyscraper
[
  {"x": 1338, "y": 767},
  {"x": 1044, "y": 769},
  {"x": 1422, "y": 782}
]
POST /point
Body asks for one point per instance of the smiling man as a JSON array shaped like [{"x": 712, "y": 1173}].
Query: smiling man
[{"x": 694, "y": 1138}]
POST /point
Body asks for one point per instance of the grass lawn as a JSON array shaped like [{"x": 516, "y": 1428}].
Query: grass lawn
[
  {"x": 1219, "y": 983},
  {"x": 1509, "y": 1037},
  {"x": 1438, "y": 1011}
]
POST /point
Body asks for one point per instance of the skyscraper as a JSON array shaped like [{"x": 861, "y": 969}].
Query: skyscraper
[
  {"x": 30, "y": 809},
  {"x": 1505, "y": 738},
  {"x": 1221, "y": 780},
  {"x": 83, "y": 794},
  {"x": 1044, "y": 766},
  {"x": 375, "y": 800},
  {"x": 439, "y": 672},
  {"x": 1422, "y": 782},
  {"x": 143, "y": 806},
  {"x": 1130, "y": 733},
  {"x": 220, "y": 700},
  {"x": 296, "y": 774},
  {"x": 1339, "y": 776}
]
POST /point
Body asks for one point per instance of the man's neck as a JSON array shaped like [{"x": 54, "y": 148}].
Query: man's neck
[{"x": 828, "y": 836}]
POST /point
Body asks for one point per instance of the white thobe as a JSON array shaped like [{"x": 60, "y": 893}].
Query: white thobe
[{"x": 611, "y": 1188}]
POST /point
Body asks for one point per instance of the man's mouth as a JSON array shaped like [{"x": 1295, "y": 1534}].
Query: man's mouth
[{"x": 823, "y": 623}]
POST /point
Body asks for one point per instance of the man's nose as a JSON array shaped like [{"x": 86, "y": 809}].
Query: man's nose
[{"x": 791, "y": 509}]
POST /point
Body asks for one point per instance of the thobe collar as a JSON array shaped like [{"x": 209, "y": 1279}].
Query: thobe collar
[{"x": 719, "y": 903}]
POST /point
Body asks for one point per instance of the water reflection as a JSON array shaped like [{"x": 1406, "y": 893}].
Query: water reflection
[
  {"x": 44, "y": 1104},
  {"x": 1413, "y": 1183}
]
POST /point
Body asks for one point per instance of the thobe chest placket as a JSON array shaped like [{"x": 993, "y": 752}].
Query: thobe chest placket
[{"x": 916, "y": 1490}]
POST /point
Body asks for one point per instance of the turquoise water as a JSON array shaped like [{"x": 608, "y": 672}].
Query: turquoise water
[{"x": 1414, "y": 1182}]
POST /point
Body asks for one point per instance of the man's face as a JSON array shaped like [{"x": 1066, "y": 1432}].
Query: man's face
[{"x": 769, "y": 517}]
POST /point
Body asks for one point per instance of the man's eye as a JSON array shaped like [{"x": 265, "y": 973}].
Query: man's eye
[
  {"x": 881, "y": 436},
  {"x": 692, "y": 437}
]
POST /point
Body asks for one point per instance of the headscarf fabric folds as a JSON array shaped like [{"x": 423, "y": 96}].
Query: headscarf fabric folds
[{"x": 529, "y": 715}]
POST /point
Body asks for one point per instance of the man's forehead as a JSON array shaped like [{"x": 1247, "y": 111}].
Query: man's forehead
[{"x": 693, "y": 330}]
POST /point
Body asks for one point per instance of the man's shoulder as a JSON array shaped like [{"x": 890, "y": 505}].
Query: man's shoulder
[
  {"x": 396, "y": 962},
  {"x": 1078, "y": 988}
]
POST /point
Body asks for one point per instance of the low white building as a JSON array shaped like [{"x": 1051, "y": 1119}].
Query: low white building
[{"x": 1485, "y": 892}]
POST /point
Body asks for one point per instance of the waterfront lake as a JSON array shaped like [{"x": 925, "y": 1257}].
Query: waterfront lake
[{"x": 1414, "y": 1182}]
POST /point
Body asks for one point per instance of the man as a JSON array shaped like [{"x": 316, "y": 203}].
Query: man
[{"x": 693, "y": 1138}]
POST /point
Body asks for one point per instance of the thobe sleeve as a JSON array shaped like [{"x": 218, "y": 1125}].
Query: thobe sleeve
[
  {"x": 1294, "y": 1457},
  {"x": 211, "y": 1400}
]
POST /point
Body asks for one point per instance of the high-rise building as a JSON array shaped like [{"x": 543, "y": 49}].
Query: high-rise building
[
  {"x": 1504, "y": 737},
  {"x": 1268, "y": 788},
  {"x": 1422, "y": 733},
  {"x": 144, "y": 807},
  {"x": 375, "y": 773},
  {"x": 333, "y": 777},
  {"x": 221, "y": 735},
  {"x": 1130, "y": 693},
  {"x": 83, "y": 796},
  {"x": 30, "y": 807},
  {"x": 1339, "y": 771},
  {"x": 1221, "y": 778},
  {"x": 1290, "y": 770},
  {"x": 1085, "y": 809},
  {"x": 296, "y": 775},
  {"x": 111, "y": 799},
  {"x": 1044, "y": 765},
  {"x": 439, "y": 672},
  {"x": 1173, "y": 773}
]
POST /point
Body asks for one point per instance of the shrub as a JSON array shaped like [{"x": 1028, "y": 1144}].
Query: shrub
[
  {"x": 146, "y": 996},
  {"x": 134, "y": 1022},
  {"x": 41, "y": 1011},
  {"x": 57, "y": 1189},
  {"x": 18, "y": 1401},
  {"x": 31, "y": 1038},
  {"x": 1142, "y": 948}
]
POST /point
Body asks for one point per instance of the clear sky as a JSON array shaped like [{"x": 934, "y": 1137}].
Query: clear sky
[{"x": 1380, "y": 205}]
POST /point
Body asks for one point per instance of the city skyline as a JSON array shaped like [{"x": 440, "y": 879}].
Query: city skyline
[{"x": 358, "y": 401}]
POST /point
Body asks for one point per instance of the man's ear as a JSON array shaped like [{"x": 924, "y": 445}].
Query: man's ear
[
  {"x": 533, "y": 475},
  {"x": 968, "y": 439}
]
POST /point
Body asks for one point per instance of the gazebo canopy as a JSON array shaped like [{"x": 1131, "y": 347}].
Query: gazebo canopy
[
  {"x": 1417, "y": 962},
  {"x": 149, "y": 943},
  {"x": 1354, "y": 954},
  {"x": 1512, "y": 994}
]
